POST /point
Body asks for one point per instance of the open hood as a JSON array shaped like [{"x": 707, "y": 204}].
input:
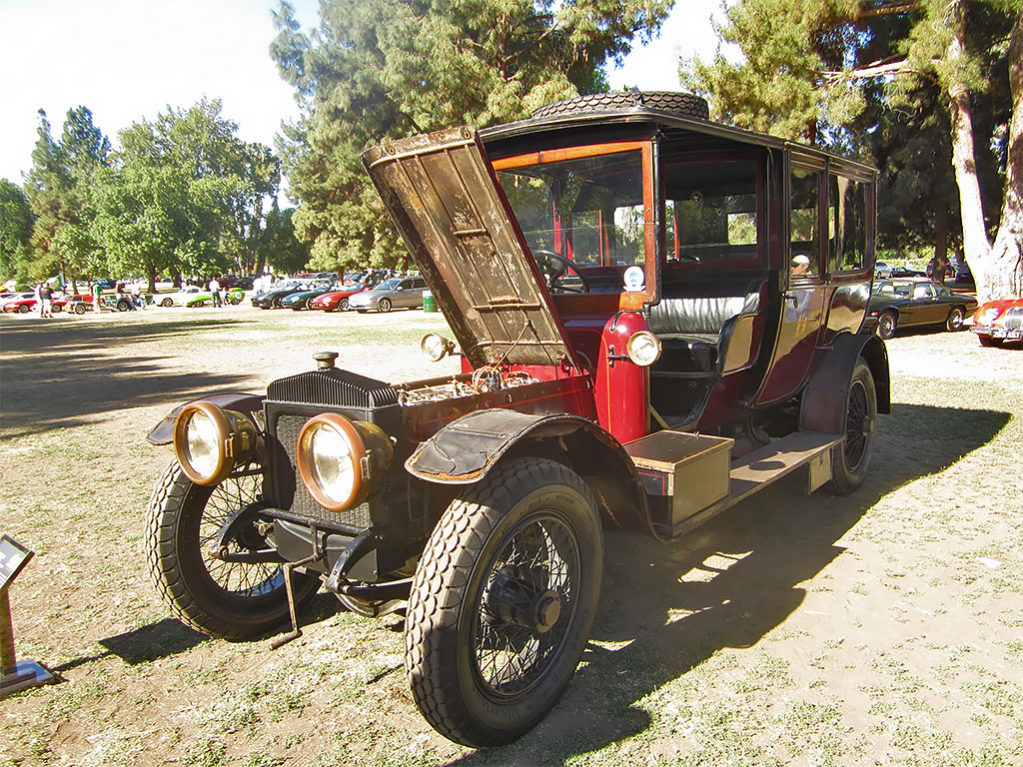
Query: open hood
[{"x": 443, "y": 196}]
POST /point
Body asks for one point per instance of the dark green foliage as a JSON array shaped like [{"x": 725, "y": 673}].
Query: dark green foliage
[
  {"x": 16, "y": 222},
  {"x": 379, "y": 69}
]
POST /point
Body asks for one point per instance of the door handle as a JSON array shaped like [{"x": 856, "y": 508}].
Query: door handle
[{"x": 791, "y": 297}]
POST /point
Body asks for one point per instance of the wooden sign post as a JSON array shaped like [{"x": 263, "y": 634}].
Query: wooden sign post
[{"x": 14, "y": 675}]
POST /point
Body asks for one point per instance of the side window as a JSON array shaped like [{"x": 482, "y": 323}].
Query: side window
[
  {"x": 710, "y": 211},
  {"x": 804, "y": 223},
  {"x": 847, "y": 224}
]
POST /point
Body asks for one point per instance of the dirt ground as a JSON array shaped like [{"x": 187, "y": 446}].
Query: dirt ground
[{"x": 885, "y": 627}]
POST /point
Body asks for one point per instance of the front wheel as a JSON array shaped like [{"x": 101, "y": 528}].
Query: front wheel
[
  {"x": 850, "y": 460},
  {"x": 81, "y": 307},
  {"x": 231, "y": 600},
  {"x": 342, "y": 305},
  {"x": 886, "y": 325},
  {"x": 989, "y": 341},
  {"x": 955, "y": 319},
  {"x": 167, "y": 302},
  {"x": 503, "y": 601}
]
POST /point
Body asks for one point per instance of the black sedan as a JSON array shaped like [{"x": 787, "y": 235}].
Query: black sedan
[
  {"x": 912, "y": 303},
  {"x": 273, "y": 298}
]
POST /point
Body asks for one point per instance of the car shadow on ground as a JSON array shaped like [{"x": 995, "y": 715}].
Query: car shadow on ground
[
  {"x": 669, "y": 607},
  {"x": 69, "y": 377}
]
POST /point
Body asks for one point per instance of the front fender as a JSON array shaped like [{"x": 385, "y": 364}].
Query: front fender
[
  {"x": 467, "y": 449},
  {"x": 163, "y": 432}
]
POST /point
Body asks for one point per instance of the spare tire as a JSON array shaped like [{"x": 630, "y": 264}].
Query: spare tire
[{"x": 681, "y": 104}]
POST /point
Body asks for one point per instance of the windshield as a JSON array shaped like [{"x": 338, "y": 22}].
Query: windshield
[
  {"x": 587, "y": 210},
  {"x": 388, "y": 284}
]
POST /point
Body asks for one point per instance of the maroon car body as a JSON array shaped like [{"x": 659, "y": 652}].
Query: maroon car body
[{"x": 658, "y": 316}]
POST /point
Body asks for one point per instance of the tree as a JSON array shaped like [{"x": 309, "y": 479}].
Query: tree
[
  {"x": 16, "y": 222},
  {"x": 832, "y": 52},
  {"x": 185, "y": 195},
  {"x": 380, "y": 69},
  {"x": 59, "y": 188},
  {"x": 280, "y": 248}
]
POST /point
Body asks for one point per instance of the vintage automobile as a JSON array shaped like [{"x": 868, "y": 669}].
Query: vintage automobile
[
  {"x": 913, "y": 303},
  {"x": 337, "y": 300},
  {"x": 999, "y": 322},
  {"x": 394, "y": 293},
  {"x": 182, "y": 297},
  {"x": 636, "y": 352}
]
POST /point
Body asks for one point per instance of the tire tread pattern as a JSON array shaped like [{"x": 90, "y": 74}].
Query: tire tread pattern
[
  {"x": 682, "y": 104},
  {"x": 442, "y": 577}
]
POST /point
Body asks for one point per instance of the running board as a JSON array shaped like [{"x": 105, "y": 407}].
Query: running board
[{"x": 758, "y": 469}]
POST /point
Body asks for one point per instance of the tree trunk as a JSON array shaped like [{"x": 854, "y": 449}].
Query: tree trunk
[
  {"x": 1005, "y": 262},
  {"x": 976, "y": 245}
]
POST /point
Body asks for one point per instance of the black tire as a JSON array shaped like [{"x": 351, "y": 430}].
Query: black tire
[
  {"x": 682, "y": 104},
  {"x": 886, "y": 325},
  {"x": 167, "y": 302},
  {"x": 227, "y": 600},
  {"x": 528, "y": 535},
  {"x": 955, "y": 319},
  {"x": 122, "y": 306},
  {"x": 342, "y": 305},
  {"x": 989, "y": 341},
  {"x": 851, "y": 459},
  {"x": 24, "y": 309},
  {"x": 277, "y": 302},
  {"x": 384, "y": 305},
  {"x": 81, "y": 307}
]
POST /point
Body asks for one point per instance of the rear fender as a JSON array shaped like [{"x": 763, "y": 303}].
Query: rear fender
[
  {"x": 250, "y": 404},
  {"x": 824, "y": 398},
  {"x": 467, "y": 450}
]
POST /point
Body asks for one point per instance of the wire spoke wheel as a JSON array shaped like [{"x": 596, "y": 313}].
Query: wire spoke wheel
[
  {"x": 527, "y": 606},
  {"x": 851, "y": 460},
  {"x": 229, "y": 599},
  {"x": 502, "y": 602}
]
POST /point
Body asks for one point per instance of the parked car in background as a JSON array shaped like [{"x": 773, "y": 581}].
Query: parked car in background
[
  {"x": 963, "y": 273},
  {"x": 274, "y": 297},
  {"x": 183, "y": 296},
  {"x": 998, "y": 322},
  {"x": 79, "y": 304},
  {"x": 301, "y": 299},
  {"x": 21, "y": 303},
  {"x": 903, "y": 303},
  {"x": 395, "y": 293},
  {"x": 336, "y": 300}
]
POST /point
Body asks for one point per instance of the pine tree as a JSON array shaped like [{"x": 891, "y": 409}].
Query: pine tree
[{"x": 378, "y": 69}]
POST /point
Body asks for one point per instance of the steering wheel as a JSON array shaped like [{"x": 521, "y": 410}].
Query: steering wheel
[{"x": 556, "y": 266}]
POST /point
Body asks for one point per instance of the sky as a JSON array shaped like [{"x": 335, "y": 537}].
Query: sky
[{"x": 128, "y": 60}]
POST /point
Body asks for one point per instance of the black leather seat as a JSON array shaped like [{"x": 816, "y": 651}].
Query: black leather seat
[{"x": 692, "y": 326}]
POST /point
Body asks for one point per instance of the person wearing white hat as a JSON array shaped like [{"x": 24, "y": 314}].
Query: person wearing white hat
[{"x": 800, "y": 266}]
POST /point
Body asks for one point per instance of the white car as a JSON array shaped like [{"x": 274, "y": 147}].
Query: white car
[{"x": 179, "y": 298}]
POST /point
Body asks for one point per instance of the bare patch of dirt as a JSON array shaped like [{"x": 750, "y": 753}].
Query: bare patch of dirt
[{"x": 882, "y": 627}]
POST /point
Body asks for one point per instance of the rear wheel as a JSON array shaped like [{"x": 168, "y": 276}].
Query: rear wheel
[
  {"x": 81, "y": 307},
  {"x": 384, "y": 305},
  {"x": 886, "y": 325},
  {"x": 503, "y": 601},
  {"x": 851, "y": 459},
  {"x": 167, "y": 302},
  {"x": 342, "y": 305},
  {"x": 955, "y": 319},
  {"x": 231, "y": 600},
  {"x": 24, "y": 308},
  {"x": 122, "y": 306}
]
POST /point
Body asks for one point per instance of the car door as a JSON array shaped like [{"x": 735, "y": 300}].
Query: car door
[{"x": 924, "y": 307}]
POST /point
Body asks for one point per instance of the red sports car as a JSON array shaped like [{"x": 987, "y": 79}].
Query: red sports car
[
  {"x": 77, "y": 304},
  {"x": 998, "y": 322},
  {"x": 336, "y": 301},
  {"x": 23, "y": 304}
]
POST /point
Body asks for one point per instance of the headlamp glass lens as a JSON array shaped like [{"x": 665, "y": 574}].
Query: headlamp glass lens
[
  {"x": 644, "y": 348},
  {"x": 333, "y": 468},
  {"x": 202, "y": 438}
]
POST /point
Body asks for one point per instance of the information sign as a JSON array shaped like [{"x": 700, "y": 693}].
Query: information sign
[{"x": 13, "y": 557}]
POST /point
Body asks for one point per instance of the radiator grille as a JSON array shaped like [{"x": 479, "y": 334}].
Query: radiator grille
[
  {"x": 333, "y": 388},
  {"x": 286, "y": 428}
]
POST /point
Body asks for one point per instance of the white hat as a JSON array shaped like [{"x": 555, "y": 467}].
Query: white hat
[{"x": 800, "y": 260}]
